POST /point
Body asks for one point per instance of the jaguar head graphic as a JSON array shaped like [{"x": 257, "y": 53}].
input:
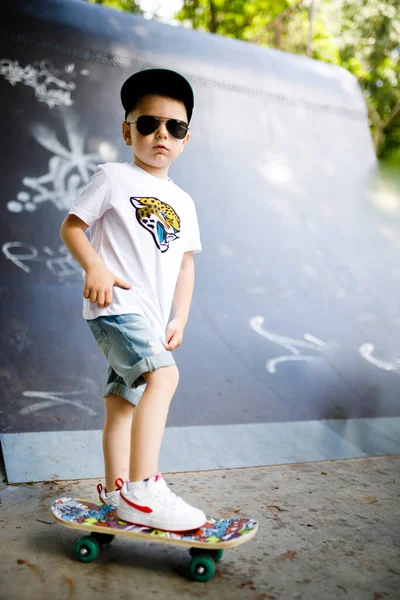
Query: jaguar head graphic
[{"x": 159, "y": 219}]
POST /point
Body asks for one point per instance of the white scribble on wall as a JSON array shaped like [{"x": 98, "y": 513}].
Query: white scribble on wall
[
  {"x": 52, "y": 399},
  {"x": 313, "y": 343},
  {"x": 45, "y": 79},
  {"x": 366, "y": 351},
  {"x": 59, "y": 263},
  {"x": 20, "y": 340},
  {"x": 69, "y": 170},
  {"x": 310, "y": 342}
]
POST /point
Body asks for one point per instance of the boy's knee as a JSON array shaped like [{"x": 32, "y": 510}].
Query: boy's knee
[{"x": 164, "y": 376}]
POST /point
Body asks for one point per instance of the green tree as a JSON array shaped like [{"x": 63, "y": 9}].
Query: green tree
[
  {"x": 233, "y": 18},
  {"x": 127, "y": 5},
  {"x": 369, "y": 47}
]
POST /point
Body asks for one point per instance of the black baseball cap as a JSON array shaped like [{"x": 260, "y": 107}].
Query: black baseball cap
[{"x": 163, "y": 82}]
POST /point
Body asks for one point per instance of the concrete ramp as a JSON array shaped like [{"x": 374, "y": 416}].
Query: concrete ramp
[{"x": 295, "y": 313}]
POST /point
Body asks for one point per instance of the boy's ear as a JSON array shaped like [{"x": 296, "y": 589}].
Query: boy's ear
[
  {"x": 186, "y": 140},
  {"x": 126, "y": 133}
]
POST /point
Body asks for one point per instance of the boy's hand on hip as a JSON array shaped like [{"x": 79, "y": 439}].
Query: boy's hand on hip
[
  {"x": 99, "y": 284},
  {"x": 174, "y": 334}
]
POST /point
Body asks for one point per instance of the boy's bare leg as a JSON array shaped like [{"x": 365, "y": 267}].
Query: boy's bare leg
[
  {"x": 116, "y": 439},
  {"x": 149, "y": 422}
]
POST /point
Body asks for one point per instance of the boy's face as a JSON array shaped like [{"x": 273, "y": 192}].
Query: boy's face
[{"x": 146, "y": 148}]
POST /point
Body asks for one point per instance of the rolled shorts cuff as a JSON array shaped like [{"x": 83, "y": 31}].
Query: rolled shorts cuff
[
  {"x": 147, "y": 365},
  {"x": 133, "y": 395}
]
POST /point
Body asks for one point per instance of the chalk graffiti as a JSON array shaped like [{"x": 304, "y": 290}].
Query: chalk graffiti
[
  {"x": 59, "y": 263},
  {"x": 310, "y": 342},
  {"x": 52, "y": 399},
  {"x": 366, "y": 351},
  {"x": 20, "y": 340},
  {"x": 44, "y": 78},
  {"x": 313, "y": 343},
  {"x": 69, "y": 170}
]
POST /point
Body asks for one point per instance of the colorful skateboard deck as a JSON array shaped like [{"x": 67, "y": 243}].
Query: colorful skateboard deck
[{"x": 101, "y": 523}]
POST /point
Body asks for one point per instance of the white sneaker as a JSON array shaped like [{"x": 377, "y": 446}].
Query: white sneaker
[
  {"x": 153, "y": 504},
  {"x": 108, "y": 497}
]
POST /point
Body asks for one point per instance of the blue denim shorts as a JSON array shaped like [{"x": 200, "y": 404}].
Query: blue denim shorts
[{"x": 132, "y": 347}]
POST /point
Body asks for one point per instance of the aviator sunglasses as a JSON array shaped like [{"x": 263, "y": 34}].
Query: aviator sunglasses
[{"x": 147, "y": 125}]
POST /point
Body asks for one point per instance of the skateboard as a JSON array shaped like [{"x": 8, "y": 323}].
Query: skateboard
[{"x": 101, "y": 524}]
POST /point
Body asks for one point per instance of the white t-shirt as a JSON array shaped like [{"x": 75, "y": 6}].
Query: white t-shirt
[{"x": 141, "y": 226}]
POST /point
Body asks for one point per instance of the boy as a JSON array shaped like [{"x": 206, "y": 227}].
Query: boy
[{"x": 138, "y": 264}]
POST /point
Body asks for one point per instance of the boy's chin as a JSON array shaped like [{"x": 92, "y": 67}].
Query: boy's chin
[{"x": 157, "y": 163}]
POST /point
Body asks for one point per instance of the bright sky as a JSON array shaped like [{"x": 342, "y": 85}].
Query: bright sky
[{"x": 164, "y": 8}]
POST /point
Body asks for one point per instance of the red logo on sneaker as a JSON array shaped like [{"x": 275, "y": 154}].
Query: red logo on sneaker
[{"x": 145, "y": 509}]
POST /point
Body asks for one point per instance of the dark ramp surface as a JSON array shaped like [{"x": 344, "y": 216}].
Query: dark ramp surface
[{"x": 295, "y": 314}]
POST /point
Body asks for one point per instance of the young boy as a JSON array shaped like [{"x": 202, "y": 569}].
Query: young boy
[{"x": 138, "y": 265}]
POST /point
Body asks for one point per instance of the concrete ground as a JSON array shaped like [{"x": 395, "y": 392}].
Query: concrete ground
[{"x": 328, "y": 530}]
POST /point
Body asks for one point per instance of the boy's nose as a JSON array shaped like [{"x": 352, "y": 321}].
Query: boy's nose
[{"x": 162, "y": 129}]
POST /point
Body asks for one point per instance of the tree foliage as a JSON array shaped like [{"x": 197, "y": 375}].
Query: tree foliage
[
  {"x": 127, "y": 5},
  {"x": 369, "y": 47},
  {"x": 232, "y": 18}
]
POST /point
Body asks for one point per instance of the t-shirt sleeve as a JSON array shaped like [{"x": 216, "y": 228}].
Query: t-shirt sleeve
[
  {"x": 192, "y": 237},
  {"x": 94, "y": 199}
]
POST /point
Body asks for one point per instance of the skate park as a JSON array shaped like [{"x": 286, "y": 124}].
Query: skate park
[{"x": 287, "y": 409}]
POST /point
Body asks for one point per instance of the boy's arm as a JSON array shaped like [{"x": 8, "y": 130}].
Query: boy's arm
[
  {"x": 181, "y": 302},
  {"x": 73, "y": 235},
  {"x": 99, "y": 280}
]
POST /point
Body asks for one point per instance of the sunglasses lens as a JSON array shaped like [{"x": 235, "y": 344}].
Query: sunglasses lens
[
  {"x": 147, "y": 125},
  {"x": 177, "y": 128}
]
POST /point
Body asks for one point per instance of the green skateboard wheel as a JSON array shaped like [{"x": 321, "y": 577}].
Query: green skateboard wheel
[
  {"x": 87, "y": 549},
  {"x": 216, "y": 554},
  {"x": 202, "y": 567}
]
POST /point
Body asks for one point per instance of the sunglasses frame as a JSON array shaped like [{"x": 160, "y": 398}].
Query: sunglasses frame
[{"x": 160, "y": 120}]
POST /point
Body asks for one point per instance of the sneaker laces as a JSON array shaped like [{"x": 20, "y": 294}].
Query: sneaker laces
[{"x": 166, "y": 492}]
